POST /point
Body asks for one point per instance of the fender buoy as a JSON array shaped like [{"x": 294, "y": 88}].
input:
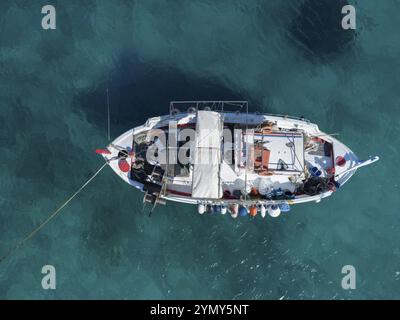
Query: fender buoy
[
  {"x": 201, "y": 208},
  {"x": 274, "y": 211},
  {"x": 124, "y": 165},
  {"x": 263, "y": 210},
  {"x": 253, "y": 211},
  {"x": 284, "y": 207},
  {"x": 234, "y": 209},
  {"x": 223, "y": 209},
  {"x": 340, "y": 161},
  {"x": 243, "y": 211}
]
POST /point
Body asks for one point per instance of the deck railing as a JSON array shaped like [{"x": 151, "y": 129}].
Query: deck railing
[
  {"x": 219, "y": 106},
  {"x": 176, "y": 107}
]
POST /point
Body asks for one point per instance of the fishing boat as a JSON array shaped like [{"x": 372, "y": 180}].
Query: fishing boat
[{"x": 220, "y": 157}]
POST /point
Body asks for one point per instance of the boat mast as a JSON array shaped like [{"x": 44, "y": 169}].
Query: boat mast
[
  {"x": 108, "y": 115},
  {"x": 247, "y": 153}
]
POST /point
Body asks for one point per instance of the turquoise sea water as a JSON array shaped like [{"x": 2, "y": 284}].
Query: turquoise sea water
[{"x": 288, "y": 57}]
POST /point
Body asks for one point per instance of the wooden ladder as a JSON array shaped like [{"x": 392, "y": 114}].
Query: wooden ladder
[{"x": 155, "y": 199}]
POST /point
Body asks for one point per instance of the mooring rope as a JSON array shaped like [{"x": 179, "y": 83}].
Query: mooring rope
[{"x": 52, "y": 216}]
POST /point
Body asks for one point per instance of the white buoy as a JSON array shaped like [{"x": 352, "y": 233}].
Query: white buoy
[
  {"x": 263, "y": 210},
  {"x": 223, "y": 209},
  {"x": 274, "y": 211},
  {"x": 234, "y": 208},
  {"x": 201, "y": 208}
]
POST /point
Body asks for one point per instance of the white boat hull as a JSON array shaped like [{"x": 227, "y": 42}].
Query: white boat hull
[{"x": 178, "y": 191}]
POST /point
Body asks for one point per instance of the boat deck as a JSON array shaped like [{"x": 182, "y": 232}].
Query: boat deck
[{"x": 270, "y": 154}]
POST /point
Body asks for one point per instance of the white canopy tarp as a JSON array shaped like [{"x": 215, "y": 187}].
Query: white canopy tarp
[{"x": 207, "y": 155}]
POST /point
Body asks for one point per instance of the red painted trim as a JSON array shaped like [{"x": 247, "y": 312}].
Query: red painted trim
[
  {"x": 180, "y": 193},
  {"x": 280, "y": 134},
  {"x": 296, "y": 135},
  {"x": 102, "y": 151}
]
